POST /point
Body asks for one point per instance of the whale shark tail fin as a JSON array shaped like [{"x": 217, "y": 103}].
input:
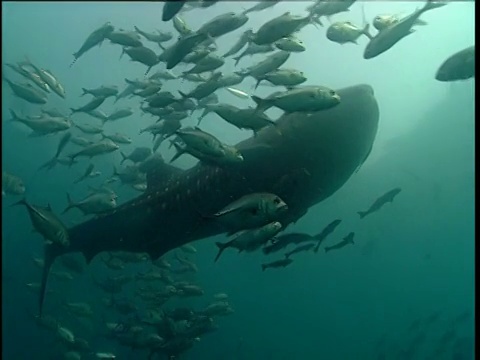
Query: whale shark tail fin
[{"x": 52, "y": 251}]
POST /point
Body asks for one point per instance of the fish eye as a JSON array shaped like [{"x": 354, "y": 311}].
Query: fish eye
[
  {"x": 276, "y": 200},
  {"x": 332, "y": 93}
]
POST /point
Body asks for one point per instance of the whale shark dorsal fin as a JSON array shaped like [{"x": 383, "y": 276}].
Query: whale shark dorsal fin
[{"x": 161, "y": 174}]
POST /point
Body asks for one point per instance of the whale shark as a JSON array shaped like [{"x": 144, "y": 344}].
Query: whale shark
[{"x": 304, "y": 159}]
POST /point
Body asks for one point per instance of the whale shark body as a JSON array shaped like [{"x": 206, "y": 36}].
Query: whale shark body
[{"x": 304, "y": 159}]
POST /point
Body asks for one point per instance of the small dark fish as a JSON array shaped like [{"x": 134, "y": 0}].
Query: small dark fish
[
  {"x": 284, "y": 240},
  {"x": 105, "y": 91},
  {"x": 155, "y": 37},
  {"x": 120, "y": 114},
  {"x": 95, "y": 38},
  {"x": 300, "y": 248},
  {"x": 459, "y": 66},
  {"x": 325, "y": 232},
  {"x": 241, "y": 42},
  {"x": 125, "y": 38},
  {"x": 183, "y": 47},
  {"x": 27, "y": 92},
  {"x": 61, "y": 144},
  {"x": 161, "y": 99},
  {"x": 142, "y": 55},
  {"x": 223, "y": 24},
  {"x": 46, "y": 223},
  {"x": 92, "y": 105},
  {"x": 388, "y": 37},
  {"x": 329, "y": 7},
  {"x": 85, "y": 175},
  {"x": 172, "y": 8},
  {"x": 277, "y": 264},
  {"x": 128, "y": 91},
  {"x": 253, "y": 49},
  {"x": 382, "y": 200},
  {"x": 262, "y": 5},
  {"x": 137, "y": 155},
  {"x": 346, "y": 240}
]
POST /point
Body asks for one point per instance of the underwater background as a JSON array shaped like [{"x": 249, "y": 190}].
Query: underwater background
[{"x": 411, "y": 260}]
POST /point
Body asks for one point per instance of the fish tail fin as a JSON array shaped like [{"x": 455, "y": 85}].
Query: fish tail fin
[
  {"x": 237, "y": 60},
  {"x": 84, "y": 91},
  {"x": 183, "y": 95},
  {"x": 70, "y": 205},
  {"x": 21, "y": 202},
  {"x": 75, "y": 58},
  {"x": 349, "y": 238},
  {"x": 147, "y": 71},
  {"x": 205, "y": 112},
  {"x": 211, "y": 40},
  {"x": 4, "y": 78},
  {"x": 124, "y": 157},
  {"x": 432, "y": 4},
  {"x": 366, "y": 31},
  {"x": 157, "y": 144},
  {"x": 274, "y": 123},
  {"x": 362, "y": 214},
  {"x": 314, "y": 19},
  {"x": 52, "y": 251},
  {"x": 180, "y": 151},
  {"x": 221, "y": 247},
  {"x": 14, "y": 115},
  {"x": 49, "y": 164},
  {"x": 72, "y": 158},
  {"x": 262, "y": 104},
  {"x": 27, "y": 60}
]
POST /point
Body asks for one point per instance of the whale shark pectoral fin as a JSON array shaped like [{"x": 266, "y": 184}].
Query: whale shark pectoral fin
[
  {"x": 365, "y": 159},
  {"x": 257, "y": 151}
]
